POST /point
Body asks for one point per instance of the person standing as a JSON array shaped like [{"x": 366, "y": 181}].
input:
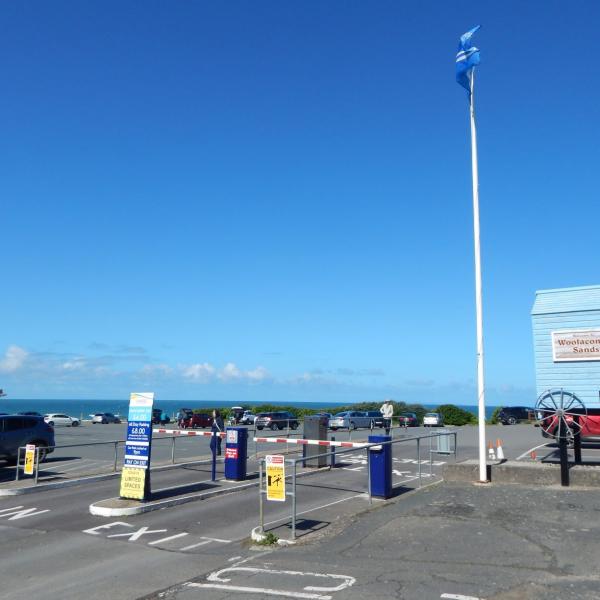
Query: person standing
[
  {"x": 387, "y": 411},
  {"x": 217, "y": 427}
]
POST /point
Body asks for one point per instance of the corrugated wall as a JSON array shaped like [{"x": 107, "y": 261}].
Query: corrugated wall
[{"x": 571, "y": 308}]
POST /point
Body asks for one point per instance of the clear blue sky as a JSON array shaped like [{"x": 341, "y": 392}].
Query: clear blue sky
[{"x": 272, "y": 200}]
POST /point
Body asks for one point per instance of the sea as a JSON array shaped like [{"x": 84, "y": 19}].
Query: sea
[{"x": 84, "y": 408}]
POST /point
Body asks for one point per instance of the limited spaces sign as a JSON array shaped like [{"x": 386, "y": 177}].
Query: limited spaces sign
[{"x": 576, "y": 345}]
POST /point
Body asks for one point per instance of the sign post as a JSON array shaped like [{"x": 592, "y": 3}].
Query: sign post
[
  {"x": 29, "y": 459},
  {"x": 275, "y": 464},
  {"x": 135, "y": 477}
]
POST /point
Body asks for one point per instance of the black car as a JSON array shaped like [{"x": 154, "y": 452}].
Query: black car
[
  {"x": 18, "y": 430},
  {"x": 276, "y": 420},
  {"x": 408, "y": 419},
  {"x": 511, "y": 415},
  {"x": 376, "y": 417}
]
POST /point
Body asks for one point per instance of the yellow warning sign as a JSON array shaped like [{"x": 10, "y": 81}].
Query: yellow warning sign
[
  {"x": 133, "y": 481},
  {"x": 275, "y": 464},
  {"x": 29, "y": 459}
]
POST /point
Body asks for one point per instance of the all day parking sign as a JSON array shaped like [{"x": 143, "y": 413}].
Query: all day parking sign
[
  {"x": 275, "y": 465},
  {"x": 135, "y": 477}
]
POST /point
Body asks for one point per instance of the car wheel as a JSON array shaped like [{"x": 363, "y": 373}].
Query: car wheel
[
  {"x": 512, "y": 421},
  {"x": 51, "y": 423},
  {"x": 43, "y": 450},
  {"x": 259, "y": 428},
  {"x": 273, "y": 426},
  {"x": 75, "y": 424},
  {"x": 353, "y": 425},
  {"x": 294, "y": 426},
  {"x": 104, "y": 422}
]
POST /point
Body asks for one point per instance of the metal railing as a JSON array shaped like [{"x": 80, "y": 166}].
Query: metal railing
[{"x": 293, "y": 462}]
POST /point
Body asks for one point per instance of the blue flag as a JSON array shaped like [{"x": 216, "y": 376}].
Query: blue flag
[{"x": 466, "y": 58}]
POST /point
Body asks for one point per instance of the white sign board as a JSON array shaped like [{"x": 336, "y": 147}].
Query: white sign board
[{"x": 576, "y": 345}]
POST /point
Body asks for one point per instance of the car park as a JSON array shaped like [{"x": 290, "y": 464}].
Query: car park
[
  {"x": 195, "y": 420},
  {"x": 350, "y": 419},
  {"x": 60, "y": 419},
  {"x": 17, "y": 431},
  {"x": 105, "y": 418},
  {"x": 433, "y": 419},
  {"x": 276, "y": 420},
  {"x": 408, "y": 419},
  {"x": 511, "y": 415}
]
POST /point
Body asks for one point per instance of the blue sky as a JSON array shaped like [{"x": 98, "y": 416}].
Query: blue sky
[{"x": 272, "y": 201}]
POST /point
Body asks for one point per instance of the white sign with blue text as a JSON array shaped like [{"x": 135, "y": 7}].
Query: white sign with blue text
[{"x": 139, "y": 430}]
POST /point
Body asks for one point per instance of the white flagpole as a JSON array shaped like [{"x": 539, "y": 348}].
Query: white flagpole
[{"x": 478, "y": 301}]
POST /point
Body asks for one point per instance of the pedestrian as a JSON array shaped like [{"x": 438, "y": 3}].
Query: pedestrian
[
  {"x": 164, "y": 418},
  {"x": 217, "y": 427},
  {"x": 387, "y": 411}
]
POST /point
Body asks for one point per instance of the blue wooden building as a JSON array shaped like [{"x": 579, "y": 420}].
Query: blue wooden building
[{"x": 566, "y": 341}]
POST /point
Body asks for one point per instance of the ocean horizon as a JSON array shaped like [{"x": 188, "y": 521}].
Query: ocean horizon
[{"x": 84, "y": 408}]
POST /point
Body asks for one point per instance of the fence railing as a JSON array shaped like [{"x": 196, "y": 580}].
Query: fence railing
[{"x": 334, "y": 453}]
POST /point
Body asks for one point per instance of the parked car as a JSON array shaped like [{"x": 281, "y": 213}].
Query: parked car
[
  {"x": 589, "y": 426},
  {"x": 235, "y": 414},
  {"x": 511, "y": 415},
  {"x": 58, "y": 419},
  {"x": 351, "y": 419},
  {"x": 248, "y": 418},
  {"x": 160, "y": 417},
  {"x": 276, "y": 420},
  {"x": 433, "y": 419},
  {"x": 408, "y": 419},
  {"x": 196, "y": 420},
  {"x": 105, "y": 418},
  {"x": 18, "y": 430},
  {"x": 376, "y": 417}
]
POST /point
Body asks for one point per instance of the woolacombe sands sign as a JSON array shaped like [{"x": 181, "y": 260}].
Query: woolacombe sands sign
[
  {"x": 576, "y": 344},
  {"x": 566, "y": 341}
]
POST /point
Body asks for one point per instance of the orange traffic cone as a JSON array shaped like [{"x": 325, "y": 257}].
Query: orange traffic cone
[
  {"x": 491, "y": 453},
  {"x": 499, "y": 450}
]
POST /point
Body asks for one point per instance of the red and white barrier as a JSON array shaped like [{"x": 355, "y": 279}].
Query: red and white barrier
[
  {"x": 311, "y": 442},
  {"x": 189, "y": 432}
]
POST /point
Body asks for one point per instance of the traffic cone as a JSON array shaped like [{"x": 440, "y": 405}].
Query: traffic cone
[
  {"x": 491, "y": 453},
  {"x": 499, "y": 451}
]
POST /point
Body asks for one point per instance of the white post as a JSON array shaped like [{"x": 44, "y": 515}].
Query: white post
[{"x": 478, "y": 301}]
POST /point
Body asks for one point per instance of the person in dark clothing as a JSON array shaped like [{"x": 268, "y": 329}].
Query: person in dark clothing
[{"x": 217, "y": 427}]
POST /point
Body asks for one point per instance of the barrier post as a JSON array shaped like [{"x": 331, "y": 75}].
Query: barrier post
[
  {"x": 18, "y": 463},
  {"x": 213, "y": 447},
  {"x": 173, "y": 450},
  {"x": 294, "y": 502},
  {"x": 332, "y": 460},
  {"x": 116, "y": 456},
  {"x": 419, "y": 458},
  {"x": 261, "y": 516},
  {"x": 37, "y": 463}
]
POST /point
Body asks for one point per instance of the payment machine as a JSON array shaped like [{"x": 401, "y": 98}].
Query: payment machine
[
  {"x": 236, "y": 453},
  {"x": 380, "y": 466}
]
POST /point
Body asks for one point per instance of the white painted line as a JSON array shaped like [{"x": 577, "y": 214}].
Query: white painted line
[
  {"x": 527, "y": 452},
  {"x": 459, "y": 597},
  {"x": 203, "y": 543},
  {"x": 267, "y": 591},
  {"x": 171, "y": 537},
  {"x": 20, "y": 512}
]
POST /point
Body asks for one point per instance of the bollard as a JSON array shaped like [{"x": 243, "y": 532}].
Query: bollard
[
  {"x": 37, "y": 463},
  {"x": 332, "y": 463},
  {"x": 173, "y": 450},
  {"x": 116, "y": 457}
]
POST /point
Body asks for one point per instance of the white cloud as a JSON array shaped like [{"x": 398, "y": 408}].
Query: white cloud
[
  {"x": 230, "y": 372},
  {"x": 199, "y": 371},
  {"x": 258, "y": 374},
  {"x": 13, "y": 360}
]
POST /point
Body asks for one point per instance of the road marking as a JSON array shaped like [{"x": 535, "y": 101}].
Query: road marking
[
  {"x": 136, "y": 535},
  {"x": 459, "y": 597},
  {"x": 205, "y": 540},
  {"x": 310, "y": 591},
  {"x": 528, "y": 452},
  {"x": 95, "y": 530},
  {"x": 171, "y": 537},
  {"x": 20, "y": 512}
]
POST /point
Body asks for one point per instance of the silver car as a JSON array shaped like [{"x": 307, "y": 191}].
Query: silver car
[
  {"x": 105, "y": 418},
  {"x": 59, "y": 419},
  {"x": 351, "y": 419}
]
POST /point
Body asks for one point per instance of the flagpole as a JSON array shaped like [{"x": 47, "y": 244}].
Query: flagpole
[{"x": 478, "y": 300}]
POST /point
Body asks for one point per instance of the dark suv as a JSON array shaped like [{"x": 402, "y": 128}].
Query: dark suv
[
  {"x": 194, "y": 420},
  {"x": 18, "y": 430},
  {"x": 276, "y": 420},
  {"x": 376, "y": 418},
  {"x": 511, "y": 415}
]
